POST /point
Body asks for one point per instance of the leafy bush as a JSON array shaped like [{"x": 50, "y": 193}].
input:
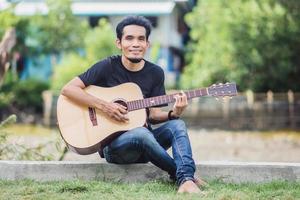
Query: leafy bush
[
  {"x": 23, "y": 94},
  {"x": 71, "y": 65},
  {"x": 29, "y": 93},
  {"x": 99, "y": 43}
]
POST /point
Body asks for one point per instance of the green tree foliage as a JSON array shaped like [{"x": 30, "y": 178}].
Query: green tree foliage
[
  {"x": 253, "y": 43},
  {"x": 58, "y": 31},
  {"x": 99, "y": 43},
  {"x": 7, "y": 20}
]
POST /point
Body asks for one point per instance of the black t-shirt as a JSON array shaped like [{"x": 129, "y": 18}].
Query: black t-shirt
[{"x": 110, "y": 72}]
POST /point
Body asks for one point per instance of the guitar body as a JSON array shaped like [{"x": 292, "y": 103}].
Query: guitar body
[{"x": 86, "y": 130}]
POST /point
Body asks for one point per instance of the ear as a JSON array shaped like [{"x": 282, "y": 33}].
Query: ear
[
  {"x": 148, "y": 44},
  {"x": 118, "y": 44}
]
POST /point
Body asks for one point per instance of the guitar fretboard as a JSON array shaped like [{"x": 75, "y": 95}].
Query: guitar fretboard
[{"x": 164, "y": 99}]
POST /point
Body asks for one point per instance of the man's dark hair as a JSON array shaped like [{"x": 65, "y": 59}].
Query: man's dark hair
[{"x": 133, "y": 20}]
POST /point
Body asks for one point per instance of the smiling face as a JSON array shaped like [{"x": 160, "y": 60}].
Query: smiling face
[{"x": 133, "y": 43}]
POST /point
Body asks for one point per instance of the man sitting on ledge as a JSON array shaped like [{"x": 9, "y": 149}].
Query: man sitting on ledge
[{"x": 142, "y": 144}]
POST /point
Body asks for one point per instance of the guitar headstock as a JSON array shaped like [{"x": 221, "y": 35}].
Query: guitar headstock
[{"x": 222, "y": 90}]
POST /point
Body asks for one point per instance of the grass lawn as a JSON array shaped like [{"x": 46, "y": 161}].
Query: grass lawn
[{"x": 28, "y": 189}]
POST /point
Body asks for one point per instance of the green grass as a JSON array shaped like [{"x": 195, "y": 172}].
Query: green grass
[{"x": 28, "y": 189}]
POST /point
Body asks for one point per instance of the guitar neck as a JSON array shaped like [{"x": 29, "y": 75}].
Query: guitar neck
[{"x": 164, "y": 99}]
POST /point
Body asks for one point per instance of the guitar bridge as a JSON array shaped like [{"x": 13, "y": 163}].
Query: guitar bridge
[{"x": 93, "y": 116}]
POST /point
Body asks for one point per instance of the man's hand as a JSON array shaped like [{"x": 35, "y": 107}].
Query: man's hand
[
  {"x": 180, "y": 104},
  {"x": 115, "y": 111}
]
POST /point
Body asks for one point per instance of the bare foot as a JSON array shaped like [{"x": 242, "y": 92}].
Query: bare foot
[
  {"x": 188, "y": 187},
  {"x": 200, "y": 183}
]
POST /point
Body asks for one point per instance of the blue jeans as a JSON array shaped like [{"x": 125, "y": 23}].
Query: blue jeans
[{"x": 140, "y": 145}]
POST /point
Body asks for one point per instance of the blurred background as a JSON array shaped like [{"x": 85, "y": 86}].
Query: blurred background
[{"x": 253, "y": 43}]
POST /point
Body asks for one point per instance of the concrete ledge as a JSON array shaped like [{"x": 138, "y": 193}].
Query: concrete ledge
[{"x": 237, "y": 172}]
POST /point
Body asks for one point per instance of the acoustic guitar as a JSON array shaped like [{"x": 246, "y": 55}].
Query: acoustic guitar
[{"x": 86, "y": 130}]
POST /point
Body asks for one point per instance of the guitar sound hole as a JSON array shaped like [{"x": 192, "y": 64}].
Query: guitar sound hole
[{"x": 121, "y": 102}]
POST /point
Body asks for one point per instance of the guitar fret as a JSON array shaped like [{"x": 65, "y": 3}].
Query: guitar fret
[
  {"x": 132, "y": 105},
  {"x": 150, "y": 102},
  {"x": 143, "y": 103},
  {"x": 135, "y": 105},
  {"x": 128, "y": 106},
  {"x": 139, "y": 104}
]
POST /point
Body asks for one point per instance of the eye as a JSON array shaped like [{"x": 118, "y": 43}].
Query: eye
[{"x": 129, "y": 37}]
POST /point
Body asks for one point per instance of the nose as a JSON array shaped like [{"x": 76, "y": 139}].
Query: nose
[{"x": 135, "y": 43}]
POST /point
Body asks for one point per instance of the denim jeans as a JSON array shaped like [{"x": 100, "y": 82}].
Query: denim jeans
[{"x": 140, "y": 145}]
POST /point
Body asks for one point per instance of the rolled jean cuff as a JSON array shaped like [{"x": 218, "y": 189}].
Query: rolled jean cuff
[{"x": 180, "y": 182}]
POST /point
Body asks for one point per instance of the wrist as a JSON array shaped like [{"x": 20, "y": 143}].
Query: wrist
[
  {"x": 171, "y": 115},
  {"x": 100, "y": 104}
]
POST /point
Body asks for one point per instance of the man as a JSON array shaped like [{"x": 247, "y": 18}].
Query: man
[{"x": 141, "y": 144}]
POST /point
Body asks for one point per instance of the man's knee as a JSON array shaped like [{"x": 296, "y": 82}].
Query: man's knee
[
  {"x": 142, "y": 134},
  {"x": 177, "y": 124}
]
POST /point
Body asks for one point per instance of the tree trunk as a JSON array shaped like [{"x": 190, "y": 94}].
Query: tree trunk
[{"x": 7, "y": 43}]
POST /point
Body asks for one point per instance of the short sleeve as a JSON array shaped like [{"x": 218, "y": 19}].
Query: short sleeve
[{"x": 95, "y": 74}]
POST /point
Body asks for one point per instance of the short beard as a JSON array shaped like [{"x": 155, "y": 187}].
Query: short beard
[{"x": 135, "y": 60}]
